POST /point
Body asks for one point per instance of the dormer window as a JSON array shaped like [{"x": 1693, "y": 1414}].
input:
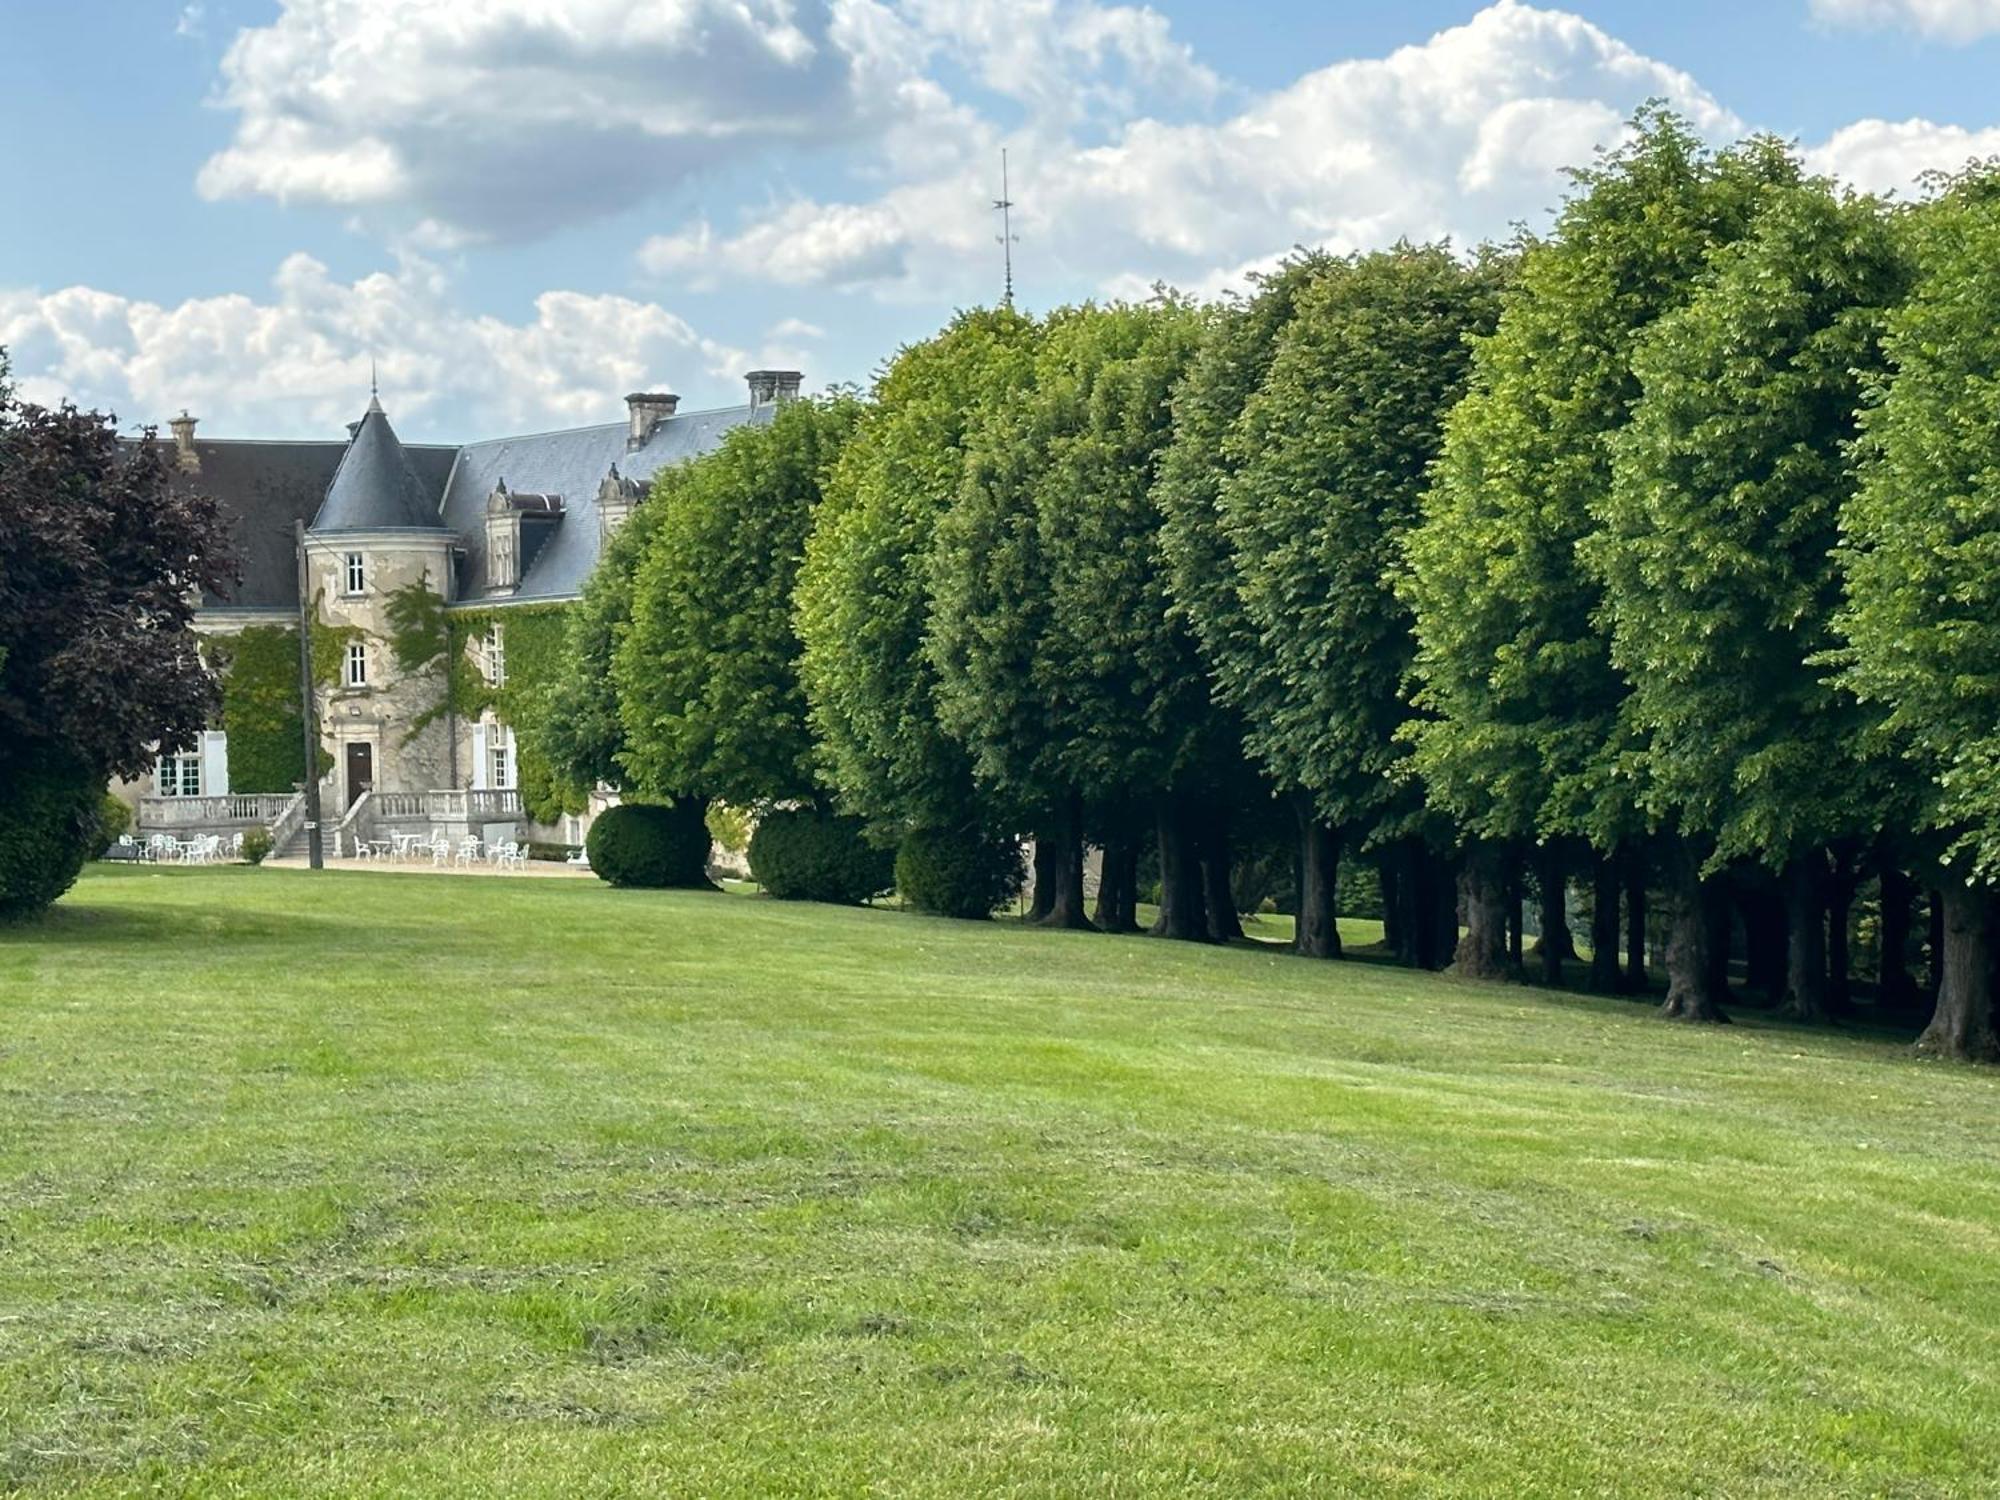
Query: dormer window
[
  {"x": 357, "y": 574},
  {"x": 357, "y": 665}
]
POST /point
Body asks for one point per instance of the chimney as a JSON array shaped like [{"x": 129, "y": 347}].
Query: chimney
[
  {"x": 648, "y": 411},
  {"x": 184, "y": 454},
  {"x": 773, "y": 387}
]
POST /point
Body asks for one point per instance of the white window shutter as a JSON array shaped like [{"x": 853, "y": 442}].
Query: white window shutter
[
  {"x": 214, "y": 763},
  {"x": 513, "y": 766},
  {"x": 479, "y": 757}
]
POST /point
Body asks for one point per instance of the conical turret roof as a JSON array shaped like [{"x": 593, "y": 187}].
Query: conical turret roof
[{"x": 375, "y": 487}]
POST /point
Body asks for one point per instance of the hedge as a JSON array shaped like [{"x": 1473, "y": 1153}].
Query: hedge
[
  {"x": 801, "y": 855},
  {"x": 637, "y": 844},
  {"x": 958, "y": 874}
]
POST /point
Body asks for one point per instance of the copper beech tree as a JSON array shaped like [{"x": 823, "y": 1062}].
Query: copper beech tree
[{"x": 102, "y": 562}]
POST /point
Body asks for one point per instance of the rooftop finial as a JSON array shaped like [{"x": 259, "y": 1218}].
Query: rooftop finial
[
  {"x": 374, "y": 391},
  {"x": 1004, "y": 205}
]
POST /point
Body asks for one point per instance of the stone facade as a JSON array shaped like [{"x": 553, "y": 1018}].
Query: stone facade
[{"x": 485, "y": 524}]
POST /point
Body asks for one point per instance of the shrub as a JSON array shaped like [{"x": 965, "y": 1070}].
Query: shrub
[
  {"x": 114, "y": 820},
  {"x": 641, "y": 844},
  {"x": 257, "y": 845},
  {"x": 50, "y": 820},
  {"x": 959, "y": 874},
  {"x": 801, "y": 855},
  {"x": 551, "y": 853}
]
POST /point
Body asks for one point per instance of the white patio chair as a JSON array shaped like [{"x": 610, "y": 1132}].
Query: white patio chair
[{"x": 468, "y": 851}]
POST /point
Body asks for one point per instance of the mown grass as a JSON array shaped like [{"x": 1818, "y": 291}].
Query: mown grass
[{"x": 363, "y": 1184}]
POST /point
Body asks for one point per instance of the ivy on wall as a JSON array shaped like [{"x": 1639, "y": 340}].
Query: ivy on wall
[
  {"x": 329, "y": 645},
  {"x": 259, "y": 671},
  {"x": 428, "y": 638}
]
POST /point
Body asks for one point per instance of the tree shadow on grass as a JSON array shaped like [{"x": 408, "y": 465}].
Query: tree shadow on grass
[{"x": 80, "y": 923}]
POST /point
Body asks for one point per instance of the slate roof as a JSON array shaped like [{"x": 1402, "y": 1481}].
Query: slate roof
[
  {"x": 375, "y": 481},
  {"x": 378, "y": 486},
  {"x": 570, "y": 464},
  {"x": 263, "y": 488}
]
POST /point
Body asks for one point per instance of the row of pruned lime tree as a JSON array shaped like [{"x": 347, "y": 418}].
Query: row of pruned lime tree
[{"x": 1648, "y": 566}]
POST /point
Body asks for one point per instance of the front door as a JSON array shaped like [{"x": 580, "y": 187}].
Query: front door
[{"x": 360, "y": 769}]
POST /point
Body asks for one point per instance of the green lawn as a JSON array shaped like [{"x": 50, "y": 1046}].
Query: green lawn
[{"x": 367, "y": 1184}]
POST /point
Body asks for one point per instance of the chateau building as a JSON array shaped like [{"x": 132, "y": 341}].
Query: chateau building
[{"x": 488, "y": 527}]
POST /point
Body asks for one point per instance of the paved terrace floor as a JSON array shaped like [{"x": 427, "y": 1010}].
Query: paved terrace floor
[{"x": 534, "y": 867}]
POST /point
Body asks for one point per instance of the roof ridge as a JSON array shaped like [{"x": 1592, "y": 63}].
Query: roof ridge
[{"x": 518, "y": 437}]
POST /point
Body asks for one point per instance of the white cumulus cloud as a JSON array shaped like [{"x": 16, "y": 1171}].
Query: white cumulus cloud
[
  {"x": 1463, "y": 134},
  {"x": 1888, "y": 156},
  {"x": 1948, "y": 20},
  {"x": 457, "y": 121},
  {"x": 296, "y": 362}
]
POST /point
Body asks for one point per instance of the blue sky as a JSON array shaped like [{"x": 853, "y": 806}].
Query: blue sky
[{"x": 523, "y": 208}]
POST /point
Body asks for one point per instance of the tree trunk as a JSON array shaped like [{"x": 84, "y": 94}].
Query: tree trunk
[
  {"x": 1316, "y": 933},
  {"x": 1042, "y": 899},
  {"x": 1516, "y": 937},
  {"x": 1066, "y": 904},
  {"x": 1444, "y": 910},
  {"x": 1896, "y": 987},
  {"x": 1718, "y": 897},
  {"x": 1388, "y": 882},
  {"x": 1482, "y": 882},
  {"x": 1805, "y": 938},
  {"x": 1218, "y": 898},
  {"x": 1182, "y": 915},
  {"x": 1934, "y": 954},
  {"x": 1635, "y": 924},
  {"x": 1555, "y": 947},
  {"x": 1692, "y": 992},
  {"x": 1764, "y": 935},
  {"x": 1118, "y": 885},
  {"x": 1841, "y": 891},
  {"x": 1409, "y": 905},
  {"x": 690, "y": 816},
  {"x": 1427, "y": 922},
  {"x": 1962, "y": 1027},
  {"x": 1604, "y": 924}
]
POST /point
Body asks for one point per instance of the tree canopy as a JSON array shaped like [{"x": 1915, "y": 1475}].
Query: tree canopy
[
  {"x": 707, "y": 669},
  {"x": 1718, "y": 532},
  {"x": 864, "y": 601},
  {"x": 1522, "y": 735},
  {"x": 1328, "y": 465}
]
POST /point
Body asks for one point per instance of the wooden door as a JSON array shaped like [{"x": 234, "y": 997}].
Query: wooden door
[{"x": 360, "y": 769}]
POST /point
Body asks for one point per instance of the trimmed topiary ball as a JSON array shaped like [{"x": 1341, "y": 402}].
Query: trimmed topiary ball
[
  {"x": 801, "y": 855},
  {"x": 640, "y": 844},
  {"x": 959, "y": 874},
  {"x": 50, "y": 821}
]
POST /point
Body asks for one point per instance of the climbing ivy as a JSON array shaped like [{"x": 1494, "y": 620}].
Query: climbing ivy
[
  {"x": 329, "y": 645},
  {"x": 259, "y": 670},
  {"x": 428, "y": 637}
]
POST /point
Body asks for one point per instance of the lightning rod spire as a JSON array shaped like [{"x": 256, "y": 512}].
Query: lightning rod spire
[{"x": 1004, "y": 205}]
